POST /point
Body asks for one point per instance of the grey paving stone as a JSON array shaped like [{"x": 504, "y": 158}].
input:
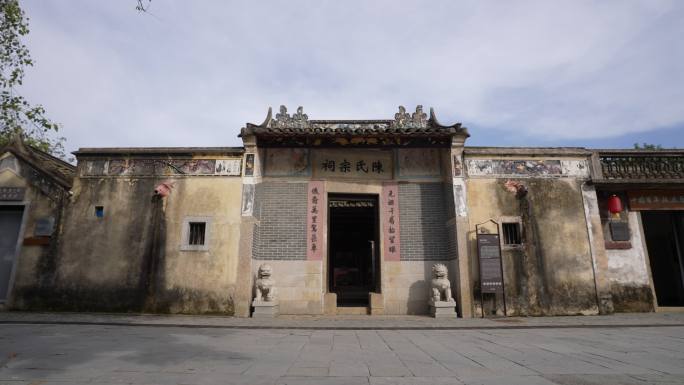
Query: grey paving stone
[
  {"x": 346, "y": 369},
  {"x": 594, "y": 379},
  {"x": 170, "y": 355},
  {"x": 307, "y": 372},
  {"x": 322, "y": 381},
  {"x": 511, "y": 380},
  {"x": 414, "y": 381},
  {"x": 382, "y": 370}
]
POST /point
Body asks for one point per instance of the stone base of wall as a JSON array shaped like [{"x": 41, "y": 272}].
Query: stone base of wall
[
  {"x": 113, "y": 299},
  {"x": 632, "y": 298},
  {"x": 299, "y": 285},
  {"x": 406, "y": 286}
]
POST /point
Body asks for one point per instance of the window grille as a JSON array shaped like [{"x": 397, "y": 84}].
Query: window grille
[
  {"x": 511, "y": 234},
  {"x": 196, "y": 233}
]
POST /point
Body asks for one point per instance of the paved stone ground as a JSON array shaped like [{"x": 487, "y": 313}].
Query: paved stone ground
[
  {"x": 168, "y": 354},
  {"x": 344, "y": 322}
]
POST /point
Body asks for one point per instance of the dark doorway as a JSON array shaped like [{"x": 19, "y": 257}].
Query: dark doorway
[
  {"x": 354, "y": 262},
  {"x": 10, "y": 225},
  {"x": 664, "y": 232}
]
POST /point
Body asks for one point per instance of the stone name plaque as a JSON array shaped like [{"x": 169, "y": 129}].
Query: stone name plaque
[
  {"x": 348, "y": 164},
  {"x": 489, "y": 252}
]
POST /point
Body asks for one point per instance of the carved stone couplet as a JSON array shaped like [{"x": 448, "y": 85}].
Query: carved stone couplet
[
  {"x": 316, "y": 221},
  {"x": 391, "y": 229}
]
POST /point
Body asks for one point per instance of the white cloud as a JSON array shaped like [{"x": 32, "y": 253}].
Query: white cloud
[{"x": 193, "y": 74}]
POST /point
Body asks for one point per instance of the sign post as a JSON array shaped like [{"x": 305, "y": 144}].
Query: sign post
[{"x": 491, "y": 268}]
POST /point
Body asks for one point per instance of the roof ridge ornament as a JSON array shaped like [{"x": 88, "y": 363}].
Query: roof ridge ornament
[
  {"x": 403, "y": 119},
  {"x": 284, "y": 120}
]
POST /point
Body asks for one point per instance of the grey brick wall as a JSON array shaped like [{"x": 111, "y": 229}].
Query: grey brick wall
[
  {"x": 423, "y": 216},
  {"x": 281, "y": 211}
]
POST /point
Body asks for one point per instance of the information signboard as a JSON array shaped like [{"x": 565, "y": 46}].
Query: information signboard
[{"x": 489, "y": 252}]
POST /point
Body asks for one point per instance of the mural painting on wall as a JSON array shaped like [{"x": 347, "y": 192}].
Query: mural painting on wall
[
  {"x": 287, "y": 162},
  {"x": 150, "y": 167},
  {"x": 489, "y": 167},
  {"x": 249, "y": 165},
  {"x": 247, "y": 199},
  {"x": 458, "y": 168},
  {"x": 418, "y": 162},
  {"x": 389, "y": 207},
  {"x": 352, "y": 164},
  {"x": 316, "y": 221}
]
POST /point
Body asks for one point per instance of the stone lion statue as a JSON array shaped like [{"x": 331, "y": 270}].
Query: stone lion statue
[
  {"x": 265, "y": 285},
  {"x": 441, "y": 288}
]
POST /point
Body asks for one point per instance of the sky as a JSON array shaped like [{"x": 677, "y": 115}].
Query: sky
[{"x": 597, "y": 74}]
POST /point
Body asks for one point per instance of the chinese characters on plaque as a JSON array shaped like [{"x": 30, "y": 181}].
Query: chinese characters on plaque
[
  {"x": 353, "y": 164},
  {"x": 316, "y": 221},
  {"x": 345, "y": 166},
  {"x": 656, "y": 199},
  {"x": 390, "y": 222}
]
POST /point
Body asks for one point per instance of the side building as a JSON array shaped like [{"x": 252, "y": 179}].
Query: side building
[{"x": 34, "y": 192}]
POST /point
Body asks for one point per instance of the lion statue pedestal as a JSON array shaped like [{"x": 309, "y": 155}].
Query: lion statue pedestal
[
  {"x": 442, "y": 304},
  {"x": 265, "y": 303}
]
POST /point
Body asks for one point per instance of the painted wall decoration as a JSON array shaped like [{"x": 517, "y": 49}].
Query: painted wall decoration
[
  {"x": 460, "y": 198},
  {"x": 389, "y": 213},
  {"x": 458, "y": 167},
  {"x": 249, "y": 165},
  {"x": 287, "y": 162},
  {"x": 247, "y": 200},
  {"x": 348, "y": 164},
  {"x": 228, "y": 167},
  {"x": 162, "y": 167},
  {"x": 417, "y": 162},
  {"x": 526, "y": 168},
  {"x": 316, "y": 221}
]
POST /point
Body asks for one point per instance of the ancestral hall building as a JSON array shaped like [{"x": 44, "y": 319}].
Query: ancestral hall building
[{"x": 351, "y": 215}]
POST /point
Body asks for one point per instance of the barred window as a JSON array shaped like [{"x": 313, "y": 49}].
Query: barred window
[
  {"x": 196, "y": 233},
  {"x": 511, "y": 234}
]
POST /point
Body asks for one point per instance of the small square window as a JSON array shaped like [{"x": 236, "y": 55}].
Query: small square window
[
  {"x": 511, "y": 234},
  {"x": 196, "y": 233},
  {"x": 99, "y": 211}
]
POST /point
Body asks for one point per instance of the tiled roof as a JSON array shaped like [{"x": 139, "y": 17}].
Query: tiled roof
[
  {"x": 62, "y": 172},
  {"x": 403, "y": 124}
]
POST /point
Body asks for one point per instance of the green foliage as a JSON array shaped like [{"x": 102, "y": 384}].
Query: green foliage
[
  {"x": 16, "y": 113},
  {"x": 647, "y": 146}
]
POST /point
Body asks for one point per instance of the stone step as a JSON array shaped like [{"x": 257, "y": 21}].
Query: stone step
[{"x": 352, "y": 310}]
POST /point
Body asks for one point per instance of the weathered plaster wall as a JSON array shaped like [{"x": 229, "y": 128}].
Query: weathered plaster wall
[
  {"x": 34, "y": 264},
  {"x": 130, "y": 259},
  {"x": 551, "y": 273},
  {"x": 628, "y": 272}
]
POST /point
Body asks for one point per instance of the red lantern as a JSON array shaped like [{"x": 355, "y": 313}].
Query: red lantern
[{"x": 614, "y": 205}]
